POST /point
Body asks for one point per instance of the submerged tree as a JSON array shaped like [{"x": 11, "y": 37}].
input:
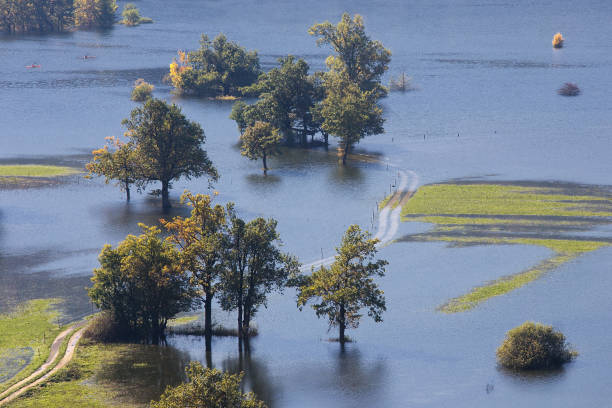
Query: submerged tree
[
  {"x": 117, "y": 160},
  {"x": 142, "y": 284},
  {"x": 201, "y": 239},
  {"x": 219, "y": 68},
  {"x": 255, "y": 267},
  {"x": 260, "y": 140},
  {"x": 208, "y": 388},
  {"x": 347, "y": 286},
  {"x": 168, "y": 145},
  {"x": 349, "y": 113}
]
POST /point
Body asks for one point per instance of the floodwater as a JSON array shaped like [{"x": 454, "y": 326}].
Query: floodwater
[{"x": 485, "y": 106}]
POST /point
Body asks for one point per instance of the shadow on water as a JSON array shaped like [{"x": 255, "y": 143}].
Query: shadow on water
[
  {"x": 355, "y": 376},
  {"x": 256, "y": 376},
  {"x": 123, "y": 214},
  {"x": 533, "y": 376},
  {"x": 143, "y": 372}
]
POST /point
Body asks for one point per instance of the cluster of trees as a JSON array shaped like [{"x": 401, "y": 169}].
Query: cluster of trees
[
  {"x": 215, "y": 255},
  {"x": 219, "y": 68},
  {"x": 342, "y": 102},
  {"x": 211, "y": 255},
  {"x": 131, "y": 16},
  {"x": 162, "y": 145},
  {"x": 58, "y": 15}
]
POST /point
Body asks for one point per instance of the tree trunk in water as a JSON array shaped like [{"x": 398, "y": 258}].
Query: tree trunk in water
[
  {"x": 347, "y": 146},
  {"x": 127, "y": 190},
  {"x": 240, "y": 334},
  {"x": 342, "y": 324},
  {"x": 265, "y": 165},
  {"x": 165, "y": 199},
  {"x": 208, "y": 319}
]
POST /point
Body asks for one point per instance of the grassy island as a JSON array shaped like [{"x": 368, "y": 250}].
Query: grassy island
[{"x": 548, "y": 215}]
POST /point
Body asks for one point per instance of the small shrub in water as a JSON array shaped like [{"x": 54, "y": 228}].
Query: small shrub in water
[
  {"x": 532, "y": 346},
  {"x": 557, "y": 41},
  {"x": 569, "y": 89},
  {"x": 142, "y": 90}
]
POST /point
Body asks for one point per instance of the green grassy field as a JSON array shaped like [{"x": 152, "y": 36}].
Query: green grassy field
[
  {"x": 505, "y": 214},
  {"x": 75, "y": 385},
  {"x": 32, "y": 326},
  {"x": 35, "y": 170}
]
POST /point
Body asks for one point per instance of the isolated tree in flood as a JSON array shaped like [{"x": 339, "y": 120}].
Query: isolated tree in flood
[
  {"x": 349, "y": 113},
  {"x": 255, "y": 267},
  {"x": 208, "y": 388},
  {"x": 201, "y": 239},
  {"x": 361, "y": 59},
  {"x": 168, "y": 145},
  {"x": 142, "y": 284},
  {"x": 260, "y": 140},
  {"x": 341, "y": 291},
  {"x": 117, "y": 160}
]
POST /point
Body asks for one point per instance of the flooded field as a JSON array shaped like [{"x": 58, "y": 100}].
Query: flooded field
[{"x": 484, "y": 110}]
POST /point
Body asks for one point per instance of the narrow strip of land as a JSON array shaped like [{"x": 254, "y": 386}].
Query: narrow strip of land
[{"x": 22, "y": 386}]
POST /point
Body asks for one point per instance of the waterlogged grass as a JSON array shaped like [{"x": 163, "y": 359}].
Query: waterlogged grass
[
  {"x": 493, "y": 214},
  {"x": 75, "y": 385},
  {"x": 35, "y": 170},
  {"x": 502, "y": 200},
  {"x": 32, "y": 325}
]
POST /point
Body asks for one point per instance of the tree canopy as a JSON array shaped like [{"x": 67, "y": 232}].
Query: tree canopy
[
  {"x": 219, "y": 68},
  {"x": 361, "y": 59},
  {"x": 142, "y": 284},
  {"x": 349, "y": 113},
  {"x": 208, "y": 388},
  {"x": 260, "y": 140},
  {"x": 94, "y": 13},
  {"x": 347, "y": 286},
  {"x": 35, "y": 15},
  {"x": 168, "y": 145}
]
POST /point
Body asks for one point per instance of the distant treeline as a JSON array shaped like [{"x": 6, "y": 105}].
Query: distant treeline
[{"x": 20, "y": 16}]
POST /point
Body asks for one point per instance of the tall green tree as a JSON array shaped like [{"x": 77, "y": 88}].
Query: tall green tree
[
  {"x": 347, "y": 286},
  {"x": 35, "y": 15},
  {"x": 219, "y": 67},
  {"x": 255, "y": 267},
  {"x": 168, "y": 145},
  {"x": 142, "y": 284},
  {"x": 349, "y": 113},
  {"x": 202, "y": 242},
  {"x": 208, "y": 388},
  {"x": 361, "y": 59},
  {"x": 117, "y": 160},
  {"x": 260, "y": 140}
]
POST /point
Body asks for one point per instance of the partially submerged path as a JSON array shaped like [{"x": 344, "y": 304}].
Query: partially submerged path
[
  {"x": 22, "y": 386},
  {"x": 389, "y": 216}
]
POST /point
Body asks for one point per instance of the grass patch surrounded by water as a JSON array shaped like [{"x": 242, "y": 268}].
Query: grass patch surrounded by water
[
  {"x": 502, "y": 214},
  {"x": 502, "y": 200},
  {"x": 35, "y": 170},
  {"x": 31, "y": 326}
]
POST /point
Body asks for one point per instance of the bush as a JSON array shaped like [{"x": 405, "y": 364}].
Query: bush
[
  {"x": 534, "y": 346},
  {"x": 103, "y": 329},
  {"x": 569, "y": 89},
  {"x": 142, "y": 90},
  {"x": 557, "y": 41},
  {"x": 131, "y": 16}
]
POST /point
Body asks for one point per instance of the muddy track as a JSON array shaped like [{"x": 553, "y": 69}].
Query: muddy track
[{"x": 22, "y": 386}]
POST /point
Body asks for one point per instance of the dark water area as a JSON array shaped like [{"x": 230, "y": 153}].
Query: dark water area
[{"x": 485, "y": 107}]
